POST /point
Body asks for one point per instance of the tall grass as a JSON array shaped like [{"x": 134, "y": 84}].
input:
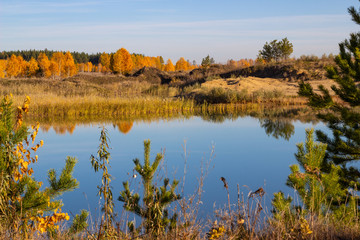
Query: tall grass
[{"x": 112, "y": 95}]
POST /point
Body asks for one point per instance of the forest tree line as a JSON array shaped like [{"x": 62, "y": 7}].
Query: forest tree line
[{"x": 54, "y": 64}]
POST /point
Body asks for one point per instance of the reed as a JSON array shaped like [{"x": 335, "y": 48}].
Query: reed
[{"x": 111, "y": 95}]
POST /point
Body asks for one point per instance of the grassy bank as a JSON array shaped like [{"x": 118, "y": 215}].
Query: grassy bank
[
  {"x": 28, "y": 211},
  {"x": 93, "y": 98},
  {"x": 99, "y": 88}
]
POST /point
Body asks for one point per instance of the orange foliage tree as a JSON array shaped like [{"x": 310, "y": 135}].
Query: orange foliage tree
[
  {"x": 69, "y": 67},
  {"x": 54, "y": 69},
  {"x": 243, "y": 63},
  {"x": 44, "y": 64},
  {"x": 81, "y": 67},
  {"x": 169, "y": 66},
  {"x": 121, "y": 62},
  {"x": 32, "y": 67},
  {"x": 232, "y": 63},
  {"x": 139, "y": 61},
  {"x": 89, "y": 66},
  {"x": 12, "y": 66},
  {"x": 2, "y": 68},
  {"x": 105, "y": 62},
  {"x": 58, "y": 58},
  {"x": 147, "y": 62},
  {"x": 181, "y": 65},
  {"x": 22, "y": 66}
]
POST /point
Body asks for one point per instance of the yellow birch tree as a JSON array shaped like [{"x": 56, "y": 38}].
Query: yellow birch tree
[
  {"x": 2, "y": 68},
  {"x": 69, "y": 68},
  {"x": 181, "y": 65},
  {"x": 22, "y": 66},
  {"x": 169, "y": 66},
  {"x": 121, "y": 62},
  {"x": 89, "y": 66},
  {"x": 44, "y": 64},
  {"x": 58, "y": 58},
  {"x": 54, "y": 69},
  {"x": 12, "y": 66},
  {"x": 105, "y": 60},
  {"x": 32, "y": 67},
  {"x": 126, "y": 63}
]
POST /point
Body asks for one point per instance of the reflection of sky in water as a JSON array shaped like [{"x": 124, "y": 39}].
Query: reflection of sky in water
[{"x": 244, "y": 155}]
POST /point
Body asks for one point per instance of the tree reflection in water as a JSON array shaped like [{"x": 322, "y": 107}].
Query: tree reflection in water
[
  {"x": 278, "y": 128},
  {"x": 124, "y": 127}
]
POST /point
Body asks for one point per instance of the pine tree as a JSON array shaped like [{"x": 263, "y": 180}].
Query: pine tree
[
  {"x": 207, "y": 61},
  {"x": 286, "y": 49},
  {"x": 318, "y": 191},
  {"x": 23, "y": 204},
  {"x": 155, "y": 200},
  {"x": 342, "y": 117},
  {"x": 276, "y": 50}
]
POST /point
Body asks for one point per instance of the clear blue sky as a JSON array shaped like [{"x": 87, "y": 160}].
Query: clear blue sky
[{"x": 225, "y": 29}]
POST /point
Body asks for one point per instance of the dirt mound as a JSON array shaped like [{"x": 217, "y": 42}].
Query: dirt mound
[
  {"x": 147, "y": 71},
  {"x": 156, "y": 76},
  {"x": 95, "y": 78},
  {"x": 286, "y": 72},
  {"x": 149, "y": 74}
]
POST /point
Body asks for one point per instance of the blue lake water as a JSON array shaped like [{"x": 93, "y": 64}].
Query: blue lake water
[{"x": 243, "y": 153}]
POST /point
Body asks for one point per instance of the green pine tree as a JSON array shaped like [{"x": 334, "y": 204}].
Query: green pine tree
[
  {"x": 207, "y": 61},
  {"x": 317, "y": 190},
  {"x": 276, "y": 50},
  {"x": 342, "y": 117},
  {"x": 155, "y": 199},
  {"x": 24, "y": 208}
]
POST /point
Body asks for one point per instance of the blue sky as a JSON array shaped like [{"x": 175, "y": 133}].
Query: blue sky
[{"x": 226, "y": 29}]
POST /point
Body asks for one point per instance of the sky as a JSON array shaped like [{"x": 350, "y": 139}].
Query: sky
[{"x": 224, "y": 29}]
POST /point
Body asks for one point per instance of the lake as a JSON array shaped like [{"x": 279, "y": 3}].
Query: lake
[{"x": 247, "y": 151}]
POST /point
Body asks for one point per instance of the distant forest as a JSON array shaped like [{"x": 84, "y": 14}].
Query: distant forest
[{"x": 79, "y": 57}]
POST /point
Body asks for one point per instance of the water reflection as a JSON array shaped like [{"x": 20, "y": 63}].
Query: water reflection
[
  {"x": 60, "y": 129},
  {"x": 124, "y": 127},
  {"x": 277, "y": 122},
  {"x": 63, "y": 128},
  {"x": 276, "y": 128},
  {"x": 244, "y": 152}
]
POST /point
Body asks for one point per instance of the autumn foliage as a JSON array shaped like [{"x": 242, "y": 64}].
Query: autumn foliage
[
  {"x": 60, "y": 65},
  {"x": 57, "y": 65}
]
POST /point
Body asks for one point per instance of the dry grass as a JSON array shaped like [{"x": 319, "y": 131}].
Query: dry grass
[
  {"x": 247, "y": 219},
  {"x": 255, "y": 84},
  {"x": 84, "y": 92}
]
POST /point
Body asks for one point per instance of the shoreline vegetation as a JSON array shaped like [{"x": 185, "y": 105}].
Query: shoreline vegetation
[
  {"x": 151, "y": 93},
  {"x": 214, "y": 93},
  {"x": 41, "y": 217}
]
